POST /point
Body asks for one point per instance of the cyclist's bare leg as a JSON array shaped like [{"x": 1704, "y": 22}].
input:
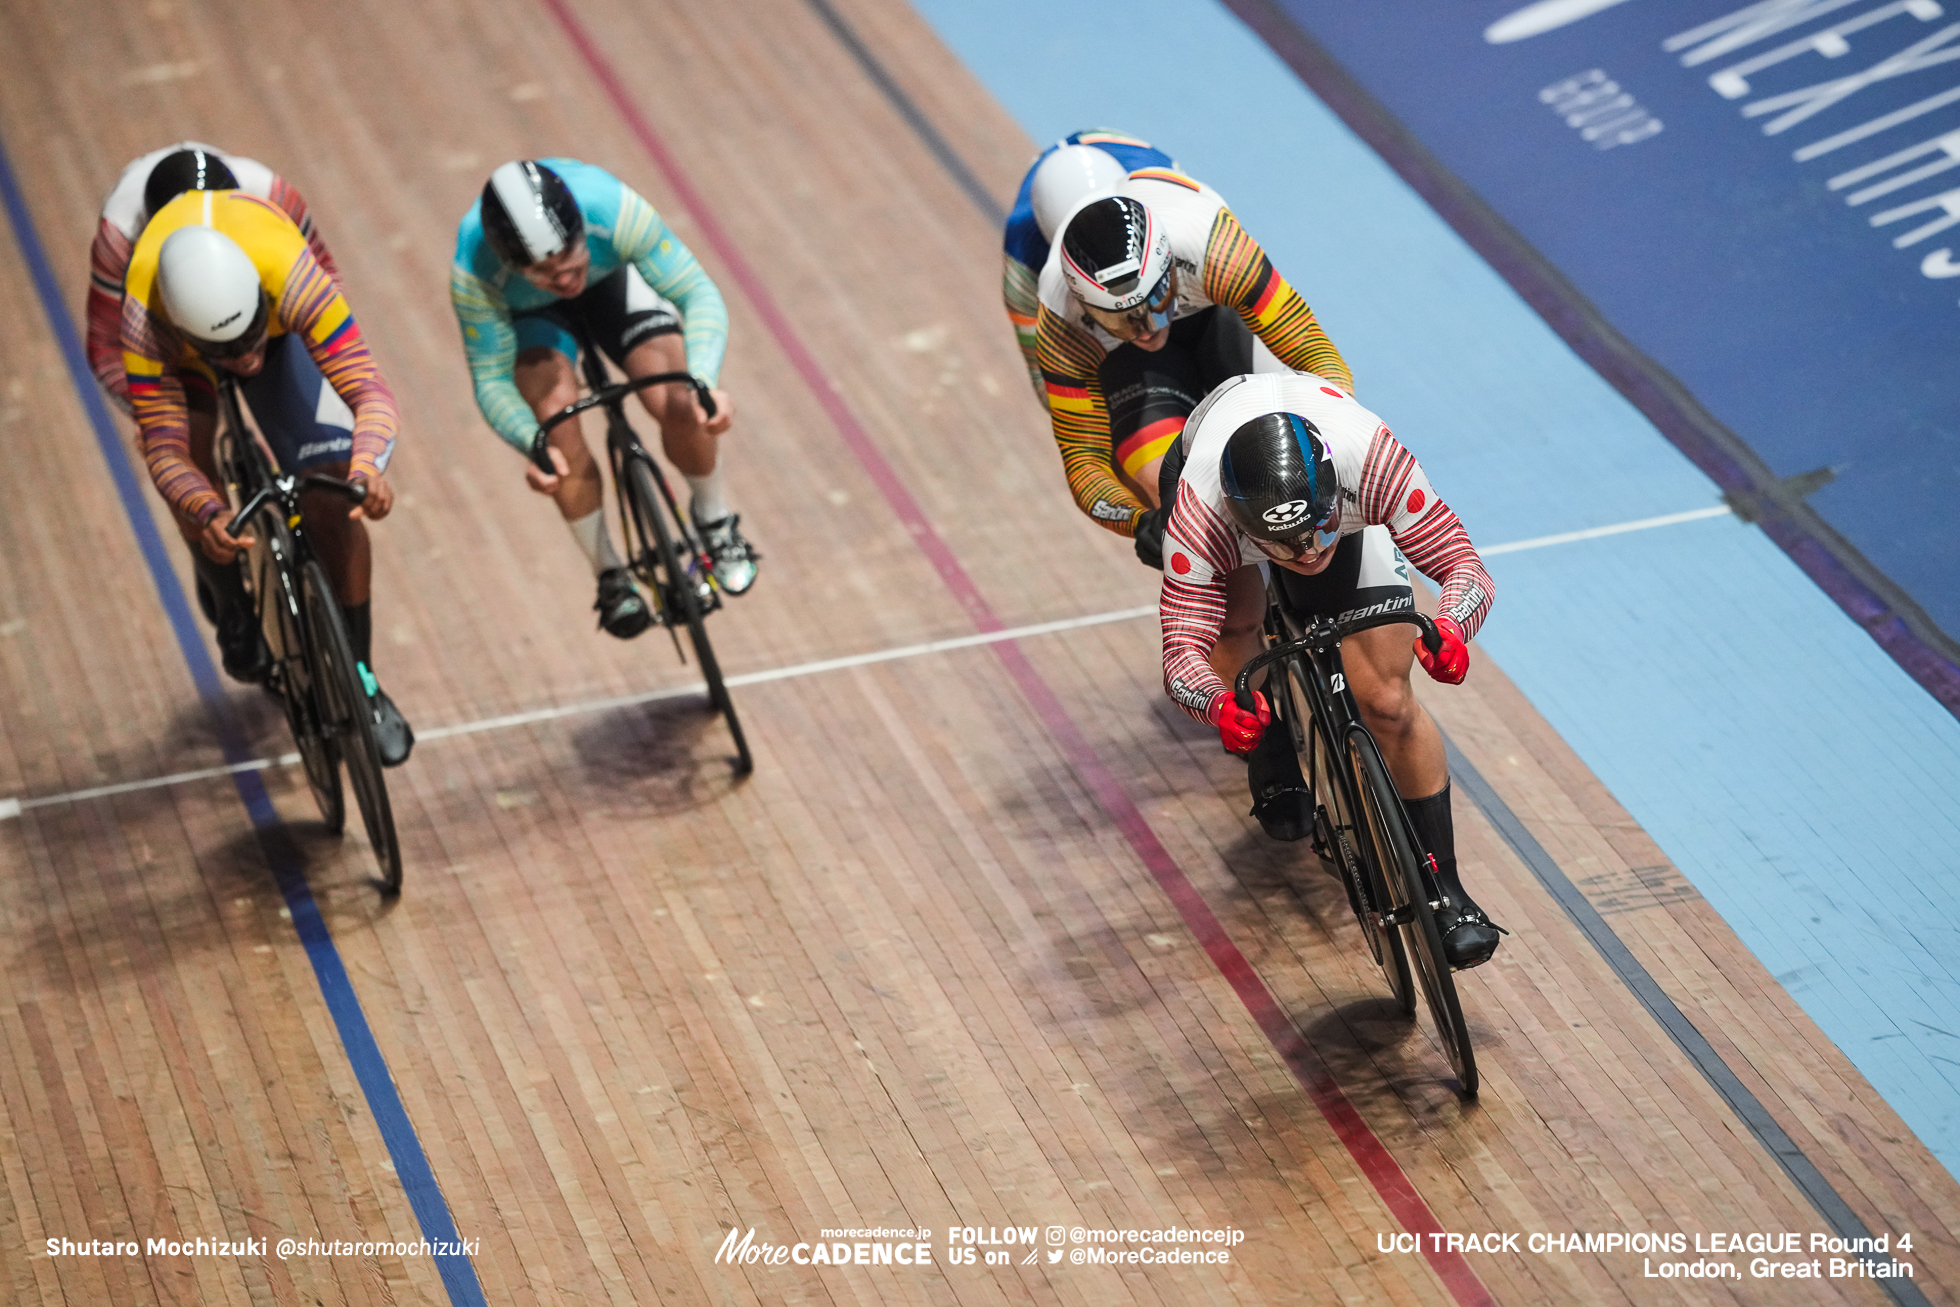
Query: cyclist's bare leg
[
  {"x": 548, "y": 381},
  {"x": 687, "y": 436},
  {"x": 1240, "y": 636},
  {"x": 1377, "y": 664}
]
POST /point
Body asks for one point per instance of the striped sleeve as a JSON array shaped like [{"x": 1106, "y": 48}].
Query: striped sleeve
[
  {"x": 108, "y": 259},
  {"x": 1200, "y": 551},
  {"x": 1395, "y": 491},
  {"x": 287, "y": 197},
  {"x": 1238, "y": 273},
  {"x": 1018, "y": 289},
  {"x": 156, "y": 394},
  {"x": 641, "y": 238},
  {"x": 1069, "y": 362},
  {"x": 311, "y": 305},
  {"x": 490, "y": 348}
]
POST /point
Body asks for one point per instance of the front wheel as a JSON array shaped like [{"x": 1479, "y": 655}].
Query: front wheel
[
  {"x": 683, "y": 588},
  {"x": 345, "y": 711},
  {"x": 1388, "y": 831}
]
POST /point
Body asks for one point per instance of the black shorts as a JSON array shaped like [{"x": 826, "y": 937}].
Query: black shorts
[
  {"x": 616, "y": 313},
  {"x": 1150, "y": 394}
]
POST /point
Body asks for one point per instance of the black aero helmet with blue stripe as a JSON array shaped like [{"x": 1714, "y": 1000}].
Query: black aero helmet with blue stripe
[
  {"x": 529, "y": 213},
  {"x": 1277, "y": 477}
]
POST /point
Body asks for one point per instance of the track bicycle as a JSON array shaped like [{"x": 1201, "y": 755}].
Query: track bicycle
[
  {"x": 314, "y": 673},
  {"x": 662, "y": 549},
  {"x": 1360, "y": 827}
]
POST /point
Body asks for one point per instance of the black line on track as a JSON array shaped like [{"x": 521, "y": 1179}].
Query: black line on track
[
  {"x": 914, "y": 117},
  {"x": 1639, "y": 981},
  {"x": 1721, "y": 1077}
]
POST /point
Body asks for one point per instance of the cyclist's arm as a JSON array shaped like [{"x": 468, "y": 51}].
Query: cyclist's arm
[
  {"x": 311, "y": 305},
  {"x": 108, "y": 259},
  {"x": 490, "y": 347},
  {"x": 156, "y": 391},
  {"x": 286, "y": 195},
  {"x": 1395, "y": 491},
  {"x": 670, "y": 268},
  {"x": 1191, "y": 606},
  {"x": 1238, "y": 273},
  {"x": 1069, "y": 361},
  {"x": 1019, "y": 288}
]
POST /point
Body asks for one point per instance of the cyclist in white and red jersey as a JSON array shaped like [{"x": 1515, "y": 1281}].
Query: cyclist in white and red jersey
[
  {"x": 1289, "y": 470},
  {"x": 145, "y": 186}
]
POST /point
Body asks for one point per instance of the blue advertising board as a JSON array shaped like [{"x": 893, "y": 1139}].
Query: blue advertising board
[{"x": 1746, "y": 216}]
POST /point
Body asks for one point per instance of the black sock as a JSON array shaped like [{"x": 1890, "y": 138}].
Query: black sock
[
  {"x": 360, "y": 630},
  {"x": 224, "y": 581},
  {"x": 1437, "y": 835}
]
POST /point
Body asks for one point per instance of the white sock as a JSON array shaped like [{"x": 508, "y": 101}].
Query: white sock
[
  {"x": 592, "y": 536},
  {"x": 710, "y": 502}
]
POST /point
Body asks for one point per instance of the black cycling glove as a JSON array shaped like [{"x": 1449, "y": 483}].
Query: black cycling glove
[{"x": 1150, "y": 538}]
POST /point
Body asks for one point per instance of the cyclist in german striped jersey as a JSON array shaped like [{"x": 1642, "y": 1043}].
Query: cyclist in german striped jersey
[
  {"x": 1071, "y": 170},
  {"x": 146, "y": 185},
  {"x": 1289, "y": 471},
  {"x": 1149, "y": 299}
]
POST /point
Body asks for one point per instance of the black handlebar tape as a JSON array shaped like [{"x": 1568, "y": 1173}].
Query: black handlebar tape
[{"x": 706, "y": 397}]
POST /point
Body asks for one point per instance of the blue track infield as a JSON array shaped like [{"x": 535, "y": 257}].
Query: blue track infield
[{"x": 1796, "y": 775}]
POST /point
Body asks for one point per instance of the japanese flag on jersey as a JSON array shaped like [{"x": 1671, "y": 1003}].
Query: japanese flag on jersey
[
  {"x": 1414, "y": 500},
  {"x": 1183, "y": 563}
]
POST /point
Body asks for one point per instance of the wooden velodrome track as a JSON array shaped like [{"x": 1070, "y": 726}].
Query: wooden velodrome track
[{"x": 986, "y": 941}]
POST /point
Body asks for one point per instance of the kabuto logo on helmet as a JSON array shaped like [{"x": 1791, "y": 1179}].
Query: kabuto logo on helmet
[{"x": 1284, "y": 515}]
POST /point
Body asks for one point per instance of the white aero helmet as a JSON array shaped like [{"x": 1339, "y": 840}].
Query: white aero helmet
[
  {"x": 210, "y": 286},
  {"x": 1069, "y": 175}
]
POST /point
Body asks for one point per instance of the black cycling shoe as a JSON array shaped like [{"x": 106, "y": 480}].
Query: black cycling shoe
[
  {"x": 1469, "y": 937},
  {"x": 241, "y": 644},
  {"x": 393, "y": 736},
  {"x": 1280, "y": 799},
  {"x": 623, "y": 612}
]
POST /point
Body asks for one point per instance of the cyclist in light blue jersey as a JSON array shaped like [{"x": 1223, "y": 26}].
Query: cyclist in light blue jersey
[
  {"x": 553, "y": 250},
  {"x": 1071, "y": 170}
]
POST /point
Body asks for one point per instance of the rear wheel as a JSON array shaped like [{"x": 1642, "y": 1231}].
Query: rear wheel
[
  {"x": 348, "y": 715},
  {"x": 1388, "y": 832},
  {"x": 685, "y": 587}
]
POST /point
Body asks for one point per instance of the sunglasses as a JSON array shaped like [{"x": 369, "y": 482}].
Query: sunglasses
[
  {"x": 223, "y": 351},
  {"x": 1307, "y": 547},
  {"x": 1152, "y": 315}
]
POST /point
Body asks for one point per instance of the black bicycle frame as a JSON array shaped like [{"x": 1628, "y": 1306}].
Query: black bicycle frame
[{"x": 1333, "y": 713}]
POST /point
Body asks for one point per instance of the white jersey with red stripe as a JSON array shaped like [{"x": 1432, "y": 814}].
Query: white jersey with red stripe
[
  {"x": 1381, "y": 484},
  {"x": 1186, "y": 208}
]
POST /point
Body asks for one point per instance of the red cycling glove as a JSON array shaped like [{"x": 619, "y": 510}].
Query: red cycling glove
[
  {"x": 1448, "y": 664},
  {"x": 1238, "y": 729}
]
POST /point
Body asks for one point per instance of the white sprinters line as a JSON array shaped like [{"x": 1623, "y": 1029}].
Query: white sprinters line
[
  {"x": 14, "y": 807},
  {"x": 1593, "y": 533},
  {"x": 10, "y": 808}
]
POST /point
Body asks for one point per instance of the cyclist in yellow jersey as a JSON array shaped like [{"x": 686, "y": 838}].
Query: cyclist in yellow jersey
[{"x": 225, "y": 280}]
